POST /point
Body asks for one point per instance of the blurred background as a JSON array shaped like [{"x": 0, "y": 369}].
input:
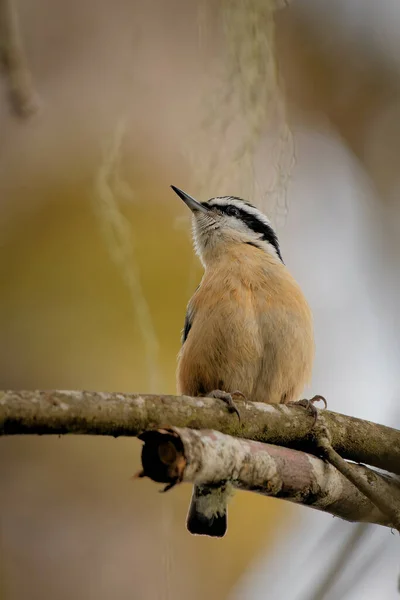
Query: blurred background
[{"x": 296, "y": 110}]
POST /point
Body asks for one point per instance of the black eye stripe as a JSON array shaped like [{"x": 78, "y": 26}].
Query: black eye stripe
[
  {"x": 233, "y": 211},
  {"x": 252, "y": 222}
]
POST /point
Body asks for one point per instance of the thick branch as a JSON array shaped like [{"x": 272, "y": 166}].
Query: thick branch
[
  {"x": 208, "y": 457},
  {"x": 95, "y": 413}
]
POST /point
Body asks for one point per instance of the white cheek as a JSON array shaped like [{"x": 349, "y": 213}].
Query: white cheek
[{"x": 231, "y": 224}]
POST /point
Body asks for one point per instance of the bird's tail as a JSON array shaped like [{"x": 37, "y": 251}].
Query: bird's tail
[{"x": 208, "y": 511}]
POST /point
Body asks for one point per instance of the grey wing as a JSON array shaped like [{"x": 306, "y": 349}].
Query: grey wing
[
  {"x": 188, "y": 320},
  {"x": 188, "y": 323}
]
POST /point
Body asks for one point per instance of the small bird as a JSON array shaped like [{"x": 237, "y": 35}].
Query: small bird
[{"x": 248, "y": 327}]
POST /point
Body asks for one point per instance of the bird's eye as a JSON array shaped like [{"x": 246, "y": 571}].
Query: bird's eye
[{"x": 232, "y": 211}]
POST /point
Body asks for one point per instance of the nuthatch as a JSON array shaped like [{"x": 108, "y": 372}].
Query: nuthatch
[{"x": 248, "y": 327}]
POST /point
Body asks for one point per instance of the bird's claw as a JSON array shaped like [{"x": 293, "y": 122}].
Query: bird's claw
[
  {"x": 308, "y": 404},
  {"x": 238, "y": 393},
  {"x": 228, "y": 399}
]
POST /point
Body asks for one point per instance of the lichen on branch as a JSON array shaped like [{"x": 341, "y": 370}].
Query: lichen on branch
[{"x": 202, "y": 457}]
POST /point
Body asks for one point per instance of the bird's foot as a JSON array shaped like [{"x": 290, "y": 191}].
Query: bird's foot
[
  {"x": 309, "y": 405},
  {"x": 228, "y": 399}
]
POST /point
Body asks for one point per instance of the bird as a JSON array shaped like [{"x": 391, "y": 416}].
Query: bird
[{"x": 248, "y": 328}]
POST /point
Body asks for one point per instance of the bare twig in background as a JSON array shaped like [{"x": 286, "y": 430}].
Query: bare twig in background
[
  {"x": 249, "y": 100},
  {"x": 118, "y": 235},
  {"x": 22, "y": 95},
  {"x": 344, "y": 571},
  {"x": 99, "y": 413},
  {"x": 204, "y": 457},
  {"x": 334, "y": 571}
]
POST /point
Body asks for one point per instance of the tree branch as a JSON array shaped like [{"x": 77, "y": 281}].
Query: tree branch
[
  {"x": 380, "y": 497},
  {"x": 96, "y": 413},
  {"x": 202, "y": 457}
]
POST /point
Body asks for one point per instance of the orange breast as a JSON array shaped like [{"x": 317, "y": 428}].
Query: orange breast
[{"x": 251, "y": 331}]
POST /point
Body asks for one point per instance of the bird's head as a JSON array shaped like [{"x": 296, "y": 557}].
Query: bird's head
[{"x": 220, "y": 222}]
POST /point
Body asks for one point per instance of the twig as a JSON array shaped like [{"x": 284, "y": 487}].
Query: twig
[
  {"x": 97, "y": 413},
  {"x": 23, "y": 98},
  {"x": 175, "y": 455},
  {"x": 382, "y": 497},
  {"x": 335, "y": 569}
]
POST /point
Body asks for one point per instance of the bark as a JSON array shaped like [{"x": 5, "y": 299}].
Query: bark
[
  {"x": 97, "y": 413},
  {"x": 206, "y": 457},
  {"x": 381, "y": 497}
]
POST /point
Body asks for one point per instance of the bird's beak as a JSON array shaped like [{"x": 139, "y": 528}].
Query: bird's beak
[{"x": 190, "y": 201}]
